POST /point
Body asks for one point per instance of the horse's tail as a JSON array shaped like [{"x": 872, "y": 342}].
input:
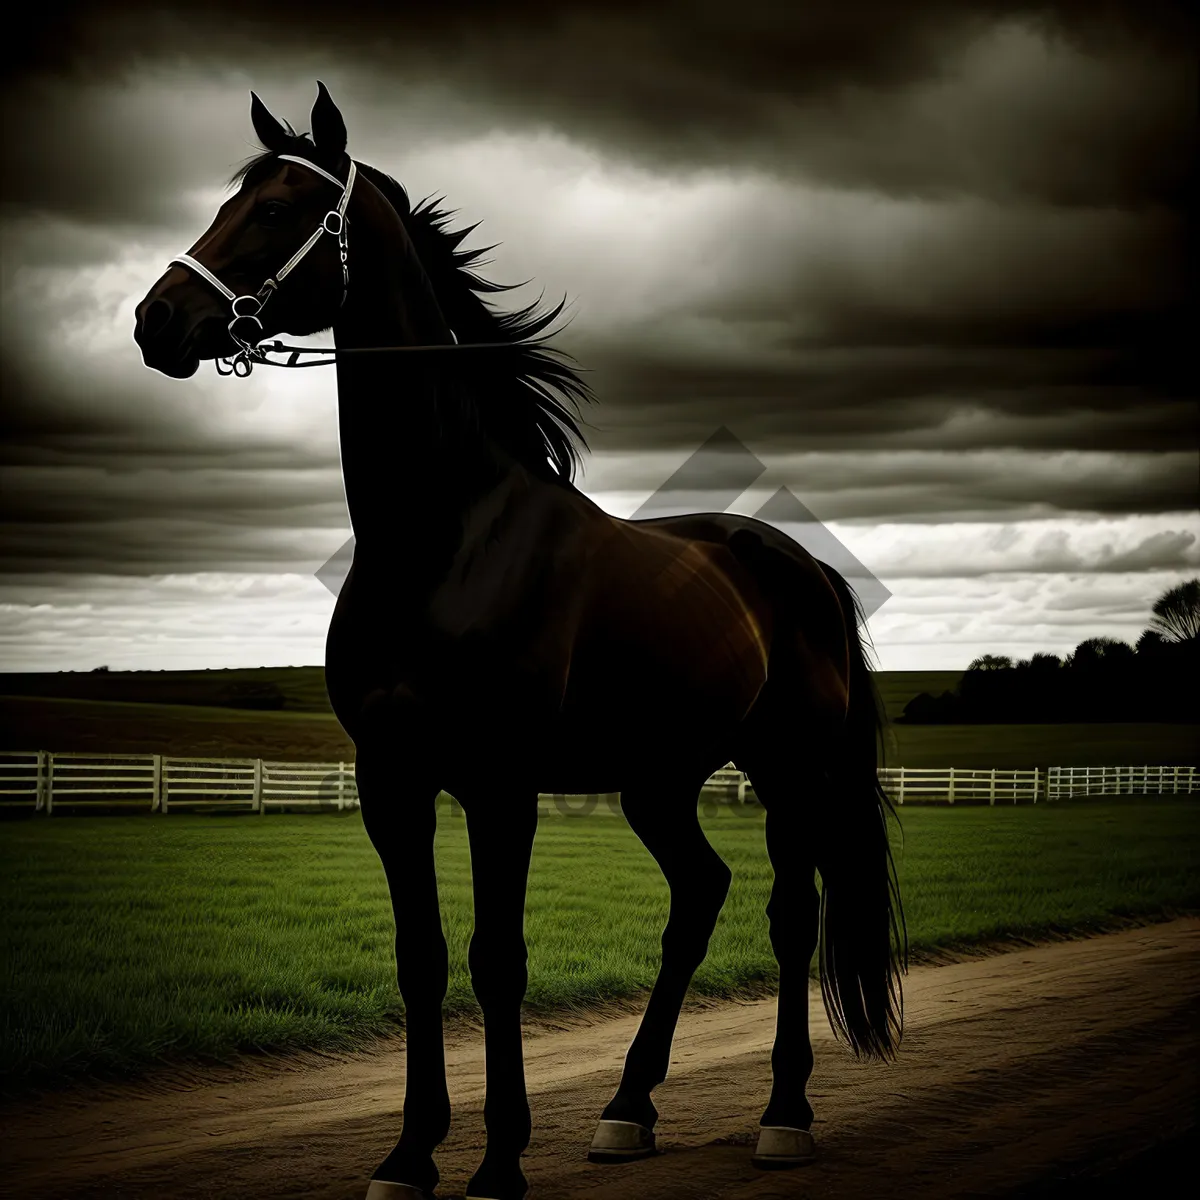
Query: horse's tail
[{"x": 863, "y": 940}]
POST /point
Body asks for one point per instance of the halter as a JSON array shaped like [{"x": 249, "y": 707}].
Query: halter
[{"x": 249, "y": 308}]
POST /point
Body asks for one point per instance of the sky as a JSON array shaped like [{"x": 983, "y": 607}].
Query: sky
[{"x": 925, "y": 261}]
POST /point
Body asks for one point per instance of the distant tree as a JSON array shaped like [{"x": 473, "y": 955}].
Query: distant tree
[
  {"x": 1045, "y": 662},
  {"x": 95, "y": 669},
  {"x": 991, "y": 662},
  {"x": 1177, "y": 613},
  {"x": 1101, "y": 649},
  {"x": 1151, "y": 642}
]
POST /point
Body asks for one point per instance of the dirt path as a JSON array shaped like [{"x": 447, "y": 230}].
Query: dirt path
[{"x": 1017, "y": 1071}]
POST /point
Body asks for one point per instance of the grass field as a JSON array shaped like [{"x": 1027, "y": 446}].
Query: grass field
[
  {"x": 118, "y": 727},
  {"x": 303, "y": 688},
  {"x": 132, "y": 942}
]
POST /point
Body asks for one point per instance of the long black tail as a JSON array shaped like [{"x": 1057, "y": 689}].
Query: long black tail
[{"x": 863, "y": 942}]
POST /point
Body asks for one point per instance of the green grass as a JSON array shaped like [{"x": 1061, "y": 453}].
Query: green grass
[
  {"x": 120, "y": 727},
  {"x": 110, "y": 727},
  {"x": 130, "y": 942},
  {"x": 1013, "y": 746},
  {"x": 303, "y": 688}
]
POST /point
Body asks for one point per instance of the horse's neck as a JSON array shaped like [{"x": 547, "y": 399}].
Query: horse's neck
[{"x": 410, "y": 474}]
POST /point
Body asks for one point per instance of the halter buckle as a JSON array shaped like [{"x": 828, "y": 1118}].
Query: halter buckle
[{"x": 334, "y": 215}]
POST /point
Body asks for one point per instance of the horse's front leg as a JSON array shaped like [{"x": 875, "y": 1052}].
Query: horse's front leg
[
  {"x": 501, "y": 828},
  {"x": 401, "y": 819}
]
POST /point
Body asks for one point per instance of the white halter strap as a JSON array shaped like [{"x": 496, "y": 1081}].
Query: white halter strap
[
  {"x": 312, "y": 166},
  {"x": 247, "y": 307}
]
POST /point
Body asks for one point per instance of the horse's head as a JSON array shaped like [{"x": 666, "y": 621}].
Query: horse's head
[{"x": 273, "y": 258}]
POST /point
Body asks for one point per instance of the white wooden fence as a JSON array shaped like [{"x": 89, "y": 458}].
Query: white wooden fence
[
  {"x": 162, "y": 783},
  {"x": 1062, "y": 782},
  {"x": 973, "y": 785},
  {"x": 963, "y": 785}
]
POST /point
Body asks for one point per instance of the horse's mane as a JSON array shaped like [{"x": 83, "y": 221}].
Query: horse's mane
[{"x": 532, "y": 401}]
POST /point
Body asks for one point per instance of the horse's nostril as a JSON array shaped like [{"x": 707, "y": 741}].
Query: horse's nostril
[{"x": 156, "y": 317}]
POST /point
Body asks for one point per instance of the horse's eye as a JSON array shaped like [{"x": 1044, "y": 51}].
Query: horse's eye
[{"x": 272, "y": 213}]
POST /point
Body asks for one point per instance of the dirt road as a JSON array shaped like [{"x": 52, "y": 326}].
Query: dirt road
[{"x": 1032, "y": 1073}]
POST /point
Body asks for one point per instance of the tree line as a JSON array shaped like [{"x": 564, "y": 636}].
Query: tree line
[{"x": 1103, "y": 679}]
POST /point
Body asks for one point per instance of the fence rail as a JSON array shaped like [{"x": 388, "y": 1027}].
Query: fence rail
[
  {"x": 1063, "y": 782},
  {"x": 161, "y": 783},
  {"x": 961, "y": 785}
]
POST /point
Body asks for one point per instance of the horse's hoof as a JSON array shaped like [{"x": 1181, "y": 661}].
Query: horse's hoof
[
  {"x": 782, "y": 1146},
  {"x": 621, "y": 1141},
  {"x": 381, "y": 1189}
]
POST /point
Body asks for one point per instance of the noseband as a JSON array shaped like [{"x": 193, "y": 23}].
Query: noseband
[{"x": 249, "y": 308}]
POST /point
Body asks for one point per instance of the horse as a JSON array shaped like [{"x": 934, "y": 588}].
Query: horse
[{"x": 508, "y": 637}]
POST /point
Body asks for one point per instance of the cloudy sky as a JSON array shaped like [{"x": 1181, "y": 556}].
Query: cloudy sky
[{"x": 925, "y": 261}]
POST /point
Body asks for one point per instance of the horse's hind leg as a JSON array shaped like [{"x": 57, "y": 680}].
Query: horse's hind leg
[
  {"x": 666, "y": 820},
  {"x": 794, "y": 915}
]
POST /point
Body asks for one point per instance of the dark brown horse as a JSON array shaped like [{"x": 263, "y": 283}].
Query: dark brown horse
[{"x": 502, "y": 636}]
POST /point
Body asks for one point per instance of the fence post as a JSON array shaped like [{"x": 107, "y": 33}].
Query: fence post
[
  {"x": 49, "y": 784},
  {"x": 341, "y": 787},
  {"x": 156, "y": 800},
  {"x": 259, "y": 806},
  {"x": 901, "y": 786},
  {"x": 39, "y": 799},
  {"x": 992, "y": 788},
  {"x": 951, "y": 785}
]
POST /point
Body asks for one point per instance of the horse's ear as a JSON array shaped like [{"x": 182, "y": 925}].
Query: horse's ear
[
  {"x": 270, "y": 132},
  {"x": 328, "y": 128}
]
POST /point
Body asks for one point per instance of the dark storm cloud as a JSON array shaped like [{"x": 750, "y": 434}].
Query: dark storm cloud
[
  {"x": 890, "y": 398},
  {"x": 1054, "y": 554},
  {"x": 1068, "y": 103},
  {"x": 972, "y": 273},
  {"x": 1007, "y": 273}
]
